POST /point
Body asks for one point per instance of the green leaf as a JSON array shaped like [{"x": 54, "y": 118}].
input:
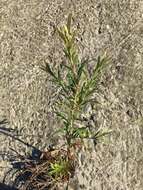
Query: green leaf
[
  {"x": 67, "y": 67},
  {"x": 75, "y": 58},
  {"x": 59, "y": 73},
  {"x": 61, "y": 34},
  {"x": 71, "y": 81},
  {"x": 80, "y": 132},
  {"x": 61, "y": 115},
  {"x": 81, "y": 94},
  {"x": 80, "y": 71},
  {"x": 100, "y": 64},
  {"x": 48, "y": 70},
  {"x": 101, "y": 133},
  {"x": 91, "y": 90},
  {"x": 58, "y": 169},
  {"x": 60, "y": 83},
  {"x": 89, "y": 101},
  {"x": 69, "y": 22},
  {"x": 92, "y": 83}
]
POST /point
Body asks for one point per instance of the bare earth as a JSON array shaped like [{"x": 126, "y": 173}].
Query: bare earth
[{"x": 27, "y": 38}]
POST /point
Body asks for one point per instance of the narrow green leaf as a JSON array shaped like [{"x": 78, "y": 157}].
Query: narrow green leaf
[
  {"x": 100, "y": 64},
  {"x": 69, "y": 22},
  {"x": 61, "y": 115},
  {"x": 80, "y": 132},
  {"x": 80, "y": 71},
  {"x": 48, "y": 70},
  {"x": 81, "y": 94},
  {"x": 67, "y": 67},
  {"x": 71, "y": 81},
  {"x": 75, "y": 59},
  {"x": 61, "y": 34},
  {"x": 101, "y": 133},
  {"x": 59, "y": 73}
]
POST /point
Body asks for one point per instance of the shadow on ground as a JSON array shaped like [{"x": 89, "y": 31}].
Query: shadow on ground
[
  {"x": 12, "y": 133},
  {"x": 6, "y": 187},
  {"x": 15, "y": 159}
]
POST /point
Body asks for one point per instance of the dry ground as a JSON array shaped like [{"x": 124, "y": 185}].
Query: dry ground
[{"x": 27, "y": 38}]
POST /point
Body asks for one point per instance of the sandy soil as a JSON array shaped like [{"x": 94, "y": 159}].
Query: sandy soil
[{"x": 27, "y": 38}]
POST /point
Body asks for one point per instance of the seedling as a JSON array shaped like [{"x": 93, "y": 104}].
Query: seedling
[{"x": 77, "y": 86}]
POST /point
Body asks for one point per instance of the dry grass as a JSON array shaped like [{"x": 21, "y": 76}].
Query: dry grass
[{"x": 45, "y": 172}]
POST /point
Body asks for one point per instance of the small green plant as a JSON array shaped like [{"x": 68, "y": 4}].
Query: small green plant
[
  {"x": 77, "y": 85},
  {"x": 59, "y": 169}
]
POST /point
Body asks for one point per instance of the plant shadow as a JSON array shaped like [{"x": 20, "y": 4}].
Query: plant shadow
[
  {"x": 6, "y": 187},
  {"x": 12, "y": 133},
  {"x": 16, "y": 160}
]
